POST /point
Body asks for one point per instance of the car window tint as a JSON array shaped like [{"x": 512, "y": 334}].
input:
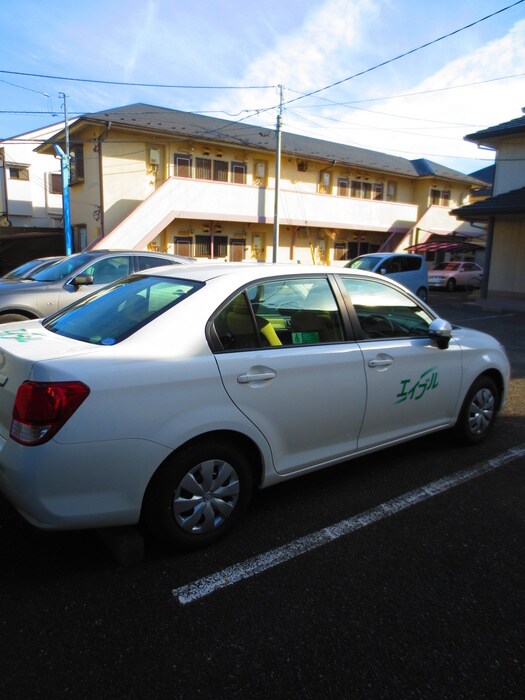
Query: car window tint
[
  {"x": 108, "y": 269},
  {"x": 145, "y": 262},
  {"x": 115, "y": 312},
  {"x": 289, "y": 312},
  {"x": 384, "y": 312},
  {"x": 63, "y": 269}
]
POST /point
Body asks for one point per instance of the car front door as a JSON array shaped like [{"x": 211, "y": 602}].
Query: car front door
[
  {"x": 286, "y": 366},
  {"x": 413, "y": 386}
]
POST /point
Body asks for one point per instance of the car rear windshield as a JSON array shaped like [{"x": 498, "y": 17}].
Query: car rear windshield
[{"x": 112, "y": 314}]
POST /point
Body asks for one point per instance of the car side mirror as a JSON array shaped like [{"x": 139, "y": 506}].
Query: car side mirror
[
  {"x": 81, "y": 280},
  {"x": 440, "y": 331},
  {"x": 382, "y": 271}
]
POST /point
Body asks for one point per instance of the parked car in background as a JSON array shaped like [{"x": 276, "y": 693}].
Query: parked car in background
[
  {"x": 27, "y": 269},
  {"x": 166, "y": 397},
  {"x": 407, "y": 269},
  {"x": 456, "y": 274},
  {"x": 71, "y": 278}
]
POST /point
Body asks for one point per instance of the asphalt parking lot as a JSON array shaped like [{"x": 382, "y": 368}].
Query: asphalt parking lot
[{"x": 398, "y": 575}]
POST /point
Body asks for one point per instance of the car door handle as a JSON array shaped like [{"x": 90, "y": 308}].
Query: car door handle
[
  {"x": 386, "y": 362},
  {"x": 262, "y": 376}
]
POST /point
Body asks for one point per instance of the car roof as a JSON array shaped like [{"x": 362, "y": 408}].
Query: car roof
[
  {"x": 388, "y": 255},
  {"x": 244, "y": 272}
]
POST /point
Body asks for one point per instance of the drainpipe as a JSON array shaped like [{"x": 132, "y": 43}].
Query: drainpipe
[
  {"x": 488, "y": 257},
  {"x": 101, "y": 177}
]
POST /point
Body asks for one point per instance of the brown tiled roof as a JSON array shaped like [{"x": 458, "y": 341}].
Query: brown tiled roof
[{"x": 177, "y": 124}]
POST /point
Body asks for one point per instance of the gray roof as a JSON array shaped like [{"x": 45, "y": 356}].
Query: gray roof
[
  {"x": 203, "y": 128},
  {"x": 515, "y": 126},
  {"x": 509, "y": 204}
]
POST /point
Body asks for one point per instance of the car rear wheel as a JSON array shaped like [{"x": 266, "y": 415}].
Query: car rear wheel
[
  {"x": 451, "y": 284},
  {"x": 478, "y": 411},
  {"x": 198, "y": 494}
]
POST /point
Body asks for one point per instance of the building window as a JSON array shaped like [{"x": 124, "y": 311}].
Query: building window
[
  {"x": 55, "y": 183},
  {"x": 220, "y": 171},
  {"x": 203, "y": 168},
  {"x": 440, "y": 198},
  {"x": 76, "y": 164},
  {"x": 182, "y": 165},
  {"x": 362, "y": 189},
  {"x": 391, "y": 192},
  {"x": 355, "y": 190},
  {"x": 18, "y": 172},
  {"x": 342, "y": 187},
  {"x": 203, "y": 246},
  {"x": 379, "y": 190},
  {"x": 79, "y": 237},
  {"x": 238, "y": 171}
]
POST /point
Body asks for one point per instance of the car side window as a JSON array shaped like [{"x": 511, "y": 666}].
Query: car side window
[
  {"x": 144, "y": 262},
  {"x": 288, "y": 312},
  {"x": 384, "y": 312},
  {"x": 108, "y": 269}
]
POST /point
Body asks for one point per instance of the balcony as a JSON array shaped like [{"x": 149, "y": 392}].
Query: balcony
[{"x": 182, "y": 198}]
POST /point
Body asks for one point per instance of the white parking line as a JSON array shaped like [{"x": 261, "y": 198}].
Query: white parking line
[{"x": 257, "y": 565}]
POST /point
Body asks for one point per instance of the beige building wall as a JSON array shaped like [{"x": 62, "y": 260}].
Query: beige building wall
[
  {"x": 508, "y": 260},
  {"x": 509, "y": 173}
]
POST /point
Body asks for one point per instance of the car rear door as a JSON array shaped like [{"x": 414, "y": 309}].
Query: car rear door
[{"x": 306, "y": 391}]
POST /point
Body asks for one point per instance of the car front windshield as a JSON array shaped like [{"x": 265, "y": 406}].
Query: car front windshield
[
  {"x": 62, "y": 269},
  {"x": 364, "y": 263},
  {"x": 112, "y": 314}
]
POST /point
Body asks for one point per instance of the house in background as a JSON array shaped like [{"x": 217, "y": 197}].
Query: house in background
[
  {"x": 30, "y": 199},
  {"x": 504, "y": 212},
  {"x": 149, "y": 177}
]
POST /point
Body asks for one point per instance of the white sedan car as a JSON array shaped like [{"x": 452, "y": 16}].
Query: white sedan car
[
  {"x": 166, "y": 397},
  {"x": 456, "y": 274}
]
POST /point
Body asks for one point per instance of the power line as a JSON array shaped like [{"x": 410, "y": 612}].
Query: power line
[
  {"x": 407, "y": 53},
  {"x": 149, "y": 85}
]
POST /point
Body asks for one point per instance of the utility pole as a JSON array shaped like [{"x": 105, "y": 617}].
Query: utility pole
[
  {"x": 277, "y": 177},
  {"x": 65, "y": 170}
]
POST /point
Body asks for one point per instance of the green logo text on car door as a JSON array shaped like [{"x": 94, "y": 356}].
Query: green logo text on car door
[{"x": 413, "y": 390}]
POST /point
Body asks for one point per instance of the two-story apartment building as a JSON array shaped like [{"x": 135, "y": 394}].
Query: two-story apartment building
[
  {"x": 504, "y": 212},
  {"x": 145, "y": 176},
  {"x": 30, "y": 198}
]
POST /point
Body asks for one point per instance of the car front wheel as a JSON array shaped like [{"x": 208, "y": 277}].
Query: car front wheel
[
  {"x": 478, "y": 411},
  {"x": 198, "y": 494},
  {"x": 451, "y": 284}
]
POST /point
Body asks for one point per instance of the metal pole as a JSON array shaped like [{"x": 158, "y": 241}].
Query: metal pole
[
  {"x": 66, "y": 164},
  {"x": 277, "y": 177}
]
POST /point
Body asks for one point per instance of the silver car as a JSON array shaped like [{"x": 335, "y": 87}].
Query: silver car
[
  {"x": 29, "y": 268},
  {"x": 72, "y": 278},
  {"x": 454, "y": 274}
]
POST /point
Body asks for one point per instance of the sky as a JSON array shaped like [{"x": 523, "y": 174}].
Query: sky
[{"x": 405, "y": 77}]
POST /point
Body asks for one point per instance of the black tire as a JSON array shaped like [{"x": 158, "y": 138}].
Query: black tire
[
  {"x": 198, "y": 495},
  {"x": 478, "y": 412},
  {"x": 422, "y": 293},
  {"x": 451, "y": 285},
  {"x": 9, "y": 318}
]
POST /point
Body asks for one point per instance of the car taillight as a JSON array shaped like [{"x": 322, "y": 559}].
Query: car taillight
[{"x": 42, "y": 408}]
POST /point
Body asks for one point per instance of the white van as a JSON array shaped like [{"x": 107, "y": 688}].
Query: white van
[{"x": 407, "y": 269}]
